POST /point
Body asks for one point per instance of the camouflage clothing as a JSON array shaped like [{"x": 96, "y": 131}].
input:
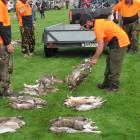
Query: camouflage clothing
[
  {"x": 21, "y": 33},
  {"x": 133, "y": 30},
  {"x": 6, "y": 69},
  {"x": 28, "y": 40}
]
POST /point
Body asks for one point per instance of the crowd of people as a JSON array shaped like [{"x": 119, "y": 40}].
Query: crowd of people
[{"x": 107, "y": 32}]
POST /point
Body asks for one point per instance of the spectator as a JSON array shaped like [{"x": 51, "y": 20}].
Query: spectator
[
  {"x": 24, "y": 13},
  {"x": 42, "y": 9},
  {"x": 6, "y": 50},
  {"x": 129, "y": 11},
  {"x": 20, "y": 22},
  {"x": 86, "y": 3},
  {"x": 67, "y": 4},
  {"x": 34, "y": 9}
]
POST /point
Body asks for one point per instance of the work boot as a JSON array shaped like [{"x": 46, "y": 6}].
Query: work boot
[
  {"x": 129, "y": 49},
  {"x": 132, "y": 50},
  {"x": 31, "y": 54},
  {"x": 102, "y": 86},
  {"x": 7, "y": 91},
  {"x": 135, "y": 50},
  {"x": 1, "y": 94},
  {"x": 113, "y": 88},
  {"x": 26, "y": 56}
]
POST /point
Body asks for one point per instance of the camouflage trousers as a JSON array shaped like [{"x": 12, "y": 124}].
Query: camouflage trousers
[
  {"x": 28, "y": 39},
  {"x": 6, "y": 70},
  {"x": 132, "y": 31},
  {"x": 21, "y": 33}
]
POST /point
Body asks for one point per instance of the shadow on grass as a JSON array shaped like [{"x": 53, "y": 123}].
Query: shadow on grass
[
  {"x": 74, "y": 52},
  {"x": 71, "y": 52}
]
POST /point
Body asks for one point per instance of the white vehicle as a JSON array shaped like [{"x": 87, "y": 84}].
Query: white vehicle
[
  {"x": 55, "y": 4},
  {"x": 10, "y": 5}
]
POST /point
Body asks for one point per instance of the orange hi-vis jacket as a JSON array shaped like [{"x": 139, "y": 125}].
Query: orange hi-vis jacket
[
  {"x": 128, "y": 10},
  {"x": 4, "y": 17},
  {"x": 27, "y": 12},
  {"x": 106, "y": 29},
  {"x": 18, "y": 13}
]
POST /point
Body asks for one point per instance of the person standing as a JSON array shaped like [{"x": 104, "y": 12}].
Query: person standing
[
  {"x": 24, "y": 13},
  {"x": 6, "y": 50},
  {"x": 34, "y": 9},
  {"x": 86, "y": 3},
  {"x": 67, "y": 4},
  {"x": 129, "y": 11},
  {"x": 42, "y": 9},
  {"x": 20, "y": 22},
  {"x": 107, "y": 32}
]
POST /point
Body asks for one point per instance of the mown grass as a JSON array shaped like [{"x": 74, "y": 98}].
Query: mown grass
[{"x": 118, "y": 118}]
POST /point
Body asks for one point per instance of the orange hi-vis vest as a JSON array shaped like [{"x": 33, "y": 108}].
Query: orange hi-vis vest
[
  {"x": 27, "y": 12},
  {"x": 18, "y": 13},
  {"x": 106, "y": 29},
  {"x": 4, "y": 17},
  {"x": 128, "y": 10}
]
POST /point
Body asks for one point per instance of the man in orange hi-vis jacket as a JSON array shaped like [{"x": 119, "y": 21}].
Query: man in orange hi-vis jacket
[
  {"x": 107, "y": 32},
  {"x": 129, "y": 10},
  {"x": 6, "y": 50},
  {"x": 24, "y": 13}
]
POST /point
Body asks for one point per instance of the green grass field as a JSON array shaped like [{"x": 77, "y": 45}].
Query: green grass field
[{"x": 118, "y": 118}]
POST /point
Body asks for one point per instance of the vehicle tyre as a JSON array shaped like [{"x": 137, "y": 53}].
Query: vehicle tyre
[
  {"x": 56, "y": 8},
  {"x": 49, "y": 52},
  {"x": 55, "y": 51}
]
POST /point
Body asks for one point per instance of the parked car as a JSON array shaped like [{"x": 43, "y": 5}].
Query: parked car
[
  {"x": 55, "y": 4},
  {"x": 10, "y": 6},
  {"x": 94, "y": 8},
  {"x": 51, "y": 4}
]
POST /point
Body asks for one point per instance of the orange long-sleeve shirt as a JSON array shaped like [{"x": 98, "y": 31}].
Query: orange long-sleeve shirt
[
  {"x": 28, "y": 11},
  {"x": 106, "y": 29},
  {"x": 4, "y": 17},
  {"x": 128, "y": 10},
  {"x": 18, "y": 13}
]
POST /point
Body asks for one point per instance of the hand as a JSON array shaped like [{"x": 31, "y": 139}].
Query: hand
[
  {"x": 10, "y": 48},
  {"x": 82, "y": 28},
  {"x": 116, "y": 19},
  {"x": 94, "y": 61},
  {"x": 112, "y": 5},
  {"x": 27, "y": 2}
]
